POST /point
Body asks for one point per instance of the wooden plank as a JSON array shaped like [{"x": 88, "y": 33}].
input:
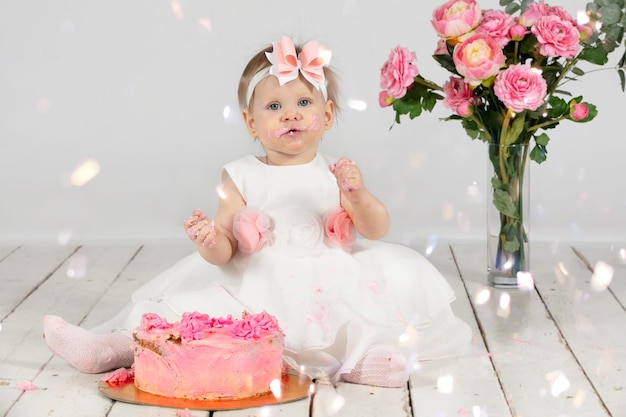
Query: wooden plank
[
  {"x": 592, "y": 320},
  {"x": 533, "y": 362},
  {"x": 124, "y": 268},
  {"x": 611, "y": 254},
  {"x": 24, "y": 269},
  {"x": 71, "y": 291},
  {"x": 152, "y": 259},
  {"x": 475, "y": 385}
]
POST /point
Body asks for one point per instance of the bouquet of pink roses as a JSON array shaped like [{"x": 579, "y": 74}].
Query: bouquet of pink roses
[{"x": 508, "y": 68}]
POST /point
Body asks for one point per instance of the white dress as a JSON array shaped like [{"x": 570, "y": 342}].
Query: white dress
[{"x": 332, "y": 304}]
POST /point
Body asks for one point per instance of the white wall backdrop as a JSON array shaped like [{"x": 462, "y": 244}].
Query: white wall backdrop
[{"x": 143, "y": 88}]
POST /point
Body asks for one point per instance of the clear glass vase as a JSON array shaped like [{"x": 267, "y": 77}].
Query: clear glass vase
[{"x": 508, "y": 213}]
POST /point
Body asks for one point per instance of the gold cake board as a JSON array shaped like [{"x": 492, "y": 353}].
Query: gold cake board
[{"x": 293, "y": 388}]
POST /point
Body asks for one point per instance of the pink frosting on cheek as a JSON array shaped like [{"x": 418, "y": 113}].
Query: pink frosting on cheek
[{"x": 315, "y": 123}]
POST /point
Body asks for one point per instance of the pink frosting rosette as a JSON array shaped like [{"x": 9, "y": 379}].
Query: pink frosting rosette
[
  {"x": 252, "y": 326},
  {"x": 339, "y": 229},
  {"x": 252, "y": 229},
  {"x": 150, "y": 321},
  {"x": 194, "y": 326}
]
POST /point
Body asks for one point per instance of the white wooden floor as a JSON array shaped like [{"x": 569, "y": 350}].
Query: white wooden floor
[{"x": 556, "y": 350}]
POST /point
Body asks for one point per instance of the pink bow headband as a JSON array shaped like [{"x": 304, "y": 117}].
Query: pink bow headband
[{"x": 286, "y": 65}]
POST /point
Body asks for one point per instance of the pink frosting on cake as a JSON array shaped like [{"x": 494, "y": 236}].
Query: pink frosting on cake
[{"x": 208, "y": 358}]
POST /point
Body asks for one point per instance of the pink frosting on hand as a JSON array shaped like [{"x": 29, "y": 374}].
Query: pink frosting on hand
[
  {"x": 151, "y": 321},
  {"x": 119, "y": 376},
  {"x": 194, "y": 326},
  {"x": 339, "y": 229},
  {"x": 252, "y": 230}
]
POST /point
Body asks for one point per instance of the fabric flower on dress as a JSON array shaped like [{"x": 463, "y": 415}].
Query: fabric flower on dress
[
  {"x": 339, "y": 229},
  {"x": 252, "y": 229}
]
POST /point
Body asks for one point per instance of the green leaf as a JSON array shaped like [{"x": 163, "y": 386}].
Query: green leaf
[
  {"x": 502, "y": 202},
  {"x": 539, "y": 153},
  {"x": 505, "y": 2},
  {"x": 446, "y": 62},
  {"x": 542, "y": 139},
  {"x": 558, "y": 107},
  {"x": 622, "y": 78},
  {"x": 515, "y": 130},
  {"x": 610, "y": 14},
  {"x": 596, "y": 55},
  {"x": 512, "y": 8},
  {"x": 578, "y": 71}
]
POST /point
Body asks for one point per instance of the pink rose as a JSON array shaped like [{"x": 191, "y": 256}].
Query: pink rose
[
  {"x": 119, "y": 376},
  {"x": 520, "y": 87},
  {"x": 442, "y": 47},
  {"x": 578, "y": 111},
  {"x": 339, "y": 229},
  {"x": 151, "y": 321},
  {"x": 517, "y": 32},
  {"x": 252, "y": 229},
  {"x": 556, "y": 37},
  {"x": 585, "y": 32},
  {"x": 384, "y": 99},
  {"x": 459, "y": 97},
  {"x": 533, "y": 12},
  {"x": 478, "y": 58},
  {"x": 398, "y": 72},
  {"x": 496, "y": 24},
  {"x": 193, "y": 326},
  {"x": 456, "y": 18}
]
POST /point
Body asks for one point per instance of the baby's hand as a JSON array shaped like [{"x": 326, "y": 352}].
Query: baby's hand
[
  {"x": 348, "y": 177},
  {"x": 200, "y": 229}
]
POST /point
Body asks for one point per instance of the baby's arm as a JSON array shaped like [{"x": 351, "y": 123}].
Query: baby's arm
[
  {"x": 369, "y": 215},
  {"x": 214, "y": 238}
]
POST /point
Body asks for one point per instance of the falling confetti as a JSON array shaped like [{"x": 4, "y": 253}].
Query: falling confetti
[
  {"x": 525, "y": 281},
  {"x": 482, "y": 296},
  {"x": 43, "y": 105},
  {"x": 558, "y": 383},
  {"x": 77, "y": 266},
  {"x": 276, "y": 388},
  {"x": 358, "y": 105},
  {"x": 602, "y": 276},
  {"x": 85, "y": 172},
  {"x": 177, "y": 9},
  {"x": 205, "y": 23},
  {"x": 445, "y": 384}
]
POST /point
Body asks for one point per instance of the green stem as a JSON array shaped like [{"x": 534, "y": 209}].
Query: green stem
[{"x": 547, "y": 123}]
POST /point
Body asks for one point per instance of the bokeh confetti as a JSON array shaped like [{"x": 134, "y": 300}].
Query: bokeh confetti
[
  {"x": 85, "y": 172},
  {"x": 602, "y": 276}
]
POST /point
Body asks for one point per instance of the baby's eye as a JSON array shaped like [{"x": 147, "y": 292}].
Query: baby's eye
[
  {"x": 274, "y": 106},
  {"x": 304, "y": 102}
]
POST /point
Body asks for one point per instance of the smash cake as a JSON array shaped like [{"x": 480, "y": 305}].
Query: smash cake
[{"x": 208, "y": 358}]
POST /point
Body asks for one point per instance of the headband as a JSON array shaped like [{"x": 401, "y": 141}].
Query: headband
[{"x": 286, "y": 66}]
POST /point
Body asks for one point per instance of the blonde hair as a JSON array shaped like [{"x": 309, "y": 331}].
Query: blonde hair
[{"x": 259, "y": 62}]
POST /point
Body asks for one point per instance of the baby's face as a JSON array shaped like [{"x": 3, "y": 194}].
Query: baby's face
[{"x": 289, "y": 119}]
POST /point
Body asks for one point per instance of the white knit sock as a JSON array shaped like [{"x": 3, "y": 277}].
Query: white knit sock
[
  {"x": 88, "y": 352},
  {"x": 380, "y": 369}
]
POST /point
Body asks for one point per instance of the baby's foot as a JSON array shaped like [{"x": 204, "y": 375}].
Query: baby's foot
[
  {"x": 88, "y": 352},
  {"x": 381, "y": 369}
]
